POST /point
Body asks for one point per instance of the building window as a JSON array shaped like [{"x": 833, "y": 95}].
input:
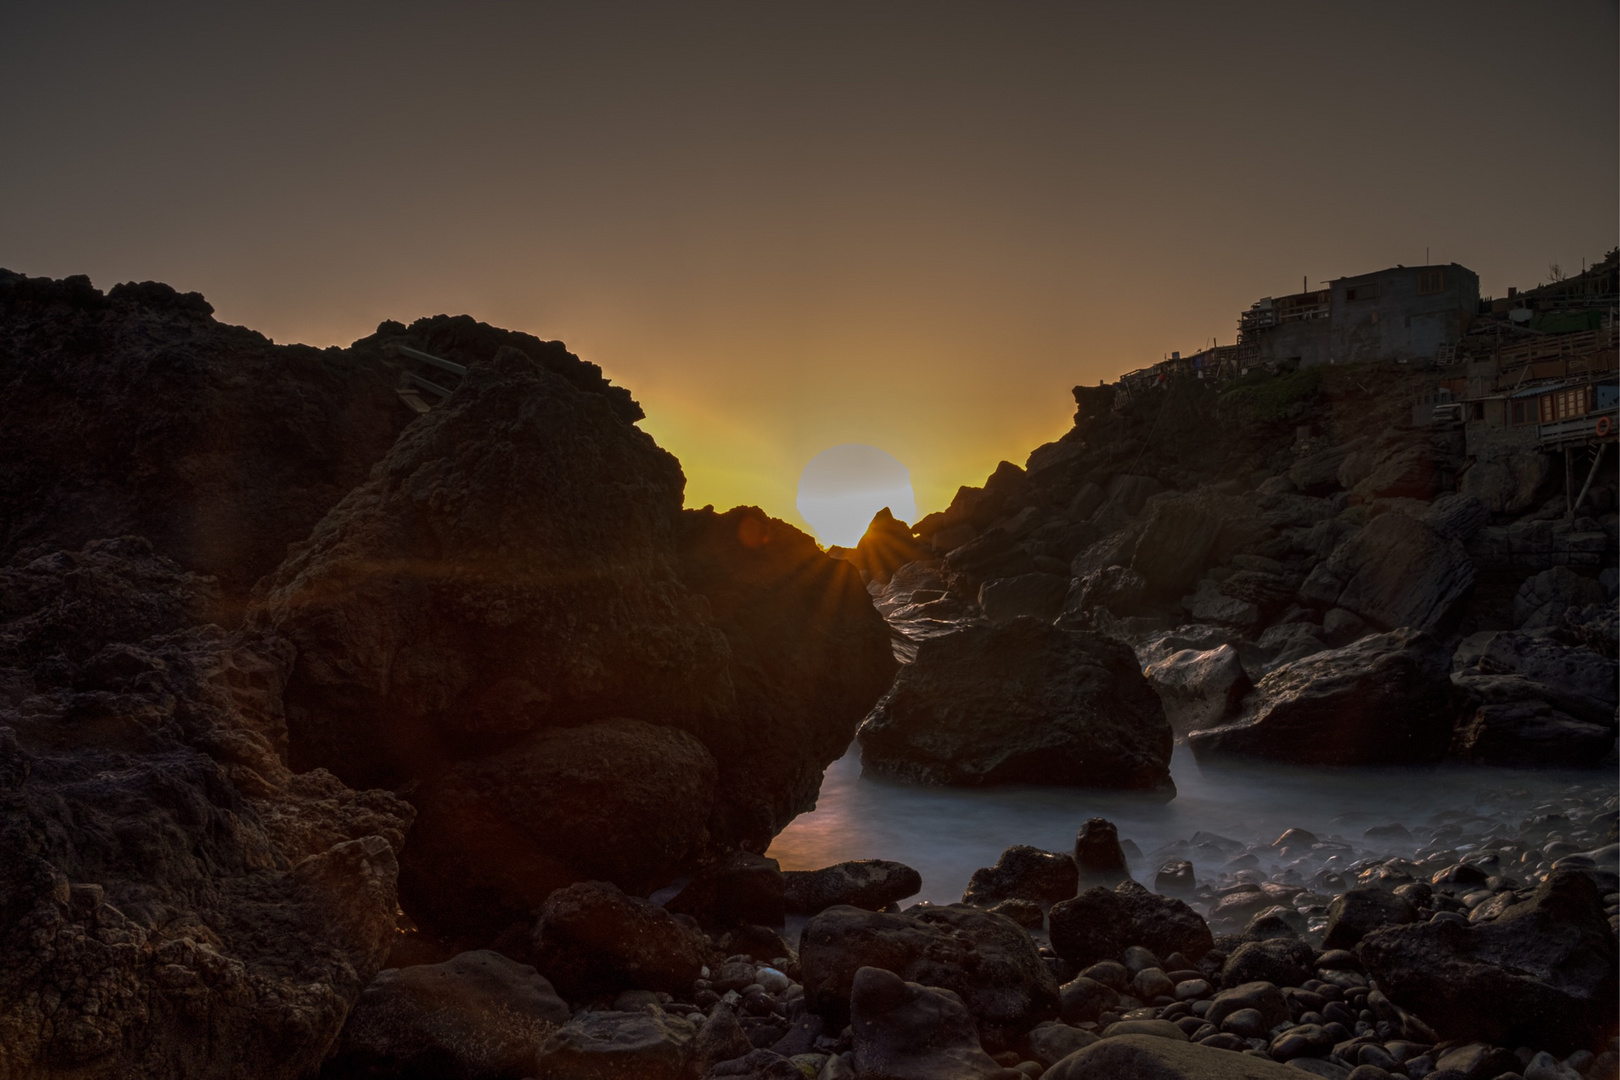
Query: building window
[
  {"x": 1521, "y": 414},
  {"x": 1368, "y": 291},
  {"x": 1431, "y": 282}
]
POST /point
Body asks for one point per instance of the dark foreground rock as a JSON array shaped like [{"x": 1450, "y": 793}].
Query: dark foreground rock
[
  {"x": 1024, "y": 873},
  {"x": 477, "y": 1016},
  {"x": 174, "y": 901},
  {"x": 1384, "y": 699},
  {"x": 906, "y": 1031},
  {"x": 1541, "y": 974},
  {"x": 872, "y": 884},
  {"x": 593, "y": 940},
  {"x": 648, "y": 1045},
  {"x": 1534, "y": 700},
  {"x": 1100, "y": 924},
  {"x": 1147, "y": 1057},
  {"x": 1023, "y": 702},
  {"x": 986, "y": 960},
  {"x": 1397, "y": 571},
  {"x": 514, "y": 618}
]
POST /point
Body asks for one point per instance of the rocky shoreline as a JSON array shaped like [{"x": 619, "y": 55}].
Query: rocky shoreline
[{"x": 339, "y": 741}]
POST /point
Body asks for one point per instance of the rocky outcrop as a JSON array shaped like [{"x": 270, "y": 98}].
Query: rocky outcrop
[
  {"x": 1397, "y": 571},
  {"x": 1533, "y": 700},
  {"x": 1540, "y": 974},
  {"x": 988, "y": 961},
  {"x": 514, "y": 617},
  {"x": 1384, "y": 699},
  {"x": 1023, "y": 702},
  {"x": 809, "y": 656},
  {"x": 175, "y": 900},
  {"x": 136, "y": 412},
  {"x": 885, "y": 547}
]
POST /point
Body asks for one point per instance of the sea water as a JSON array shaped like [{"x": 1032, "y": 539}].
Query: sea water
[{"x": 947, "y": 833}]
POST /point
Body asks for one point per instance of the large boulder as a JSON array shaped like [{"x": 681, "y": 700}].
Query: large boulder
[
  {"x": 477, "y": 1016},
  {"x": 1023, "y": 702},
  {"x": 1397, "y": 571},
  {"x": 1387, "y": 698},
  {"x": 175, "y": 901},
  {"x": 617, "y": 800},
  {"x": 592, "y": 940},
  {"x": 513, "y": 613},
  {"x": 1100, "y": 924},
  {"x": 809, "y": 656},
  {"x": 1199, "y": 689},
  {"x": 986, "y": 960},
  {"x": 907, "y": 1031},
  {"x": 1541, "y": 974}
]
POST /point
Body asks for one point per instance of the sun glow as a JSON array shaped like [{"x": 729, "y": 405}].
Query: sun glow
[{"x": 842, "y": 487}]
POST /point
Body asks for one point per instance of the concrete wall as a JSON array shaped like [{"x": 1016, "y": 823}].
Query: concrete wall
[
  {"x": 1309, "y": 342},
  {"x": 1397, "y": 323}
]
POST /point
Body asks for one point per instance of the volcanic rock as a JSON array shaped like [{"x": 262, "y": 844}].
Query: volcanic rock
[
  {"x": 1022, "y": 702},
  {"x": 165, "y": 873},
  {"x": 1384, "y": 699},
  {"x": 1541, "y": 974},
  {"x": 872, "y": 884},
  {"x": 986, "y": 960},
  {"x": 907, "y": 1031},
  {"x": 1397, "y": 571},
  {"x": 476, "y": 1016},
  {"x": 741, "y": 888}
]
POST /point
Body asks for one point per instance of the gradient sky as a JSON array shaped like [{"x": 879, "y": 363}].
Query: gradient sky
[{"x": 788, "y": 226}]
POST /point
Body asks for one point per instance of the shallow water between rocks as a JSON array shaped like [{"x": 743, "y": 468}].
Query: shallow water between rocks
[{"x": 947, "y": 833}]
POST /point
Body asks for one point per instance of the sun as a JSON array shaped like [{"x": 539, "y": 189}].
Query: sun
[{"x": 842, "y": 487}]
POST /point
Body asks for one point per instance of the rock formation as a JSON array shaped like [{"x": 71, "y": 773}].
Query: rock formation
[
  {"x": 583, "y": 682},
  {"x": 175, "y": 900},
  {"x": 1022, "y": 702}
]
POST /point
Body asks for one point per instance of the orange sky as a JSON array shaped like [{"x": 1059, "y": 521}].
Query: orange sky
[{"x": 787, "y": 226}]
